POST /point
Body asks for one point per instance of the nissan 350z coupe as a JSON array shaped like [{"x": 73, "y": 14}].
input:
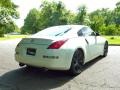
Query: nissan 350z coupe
[{"x": 64, "y": 47}]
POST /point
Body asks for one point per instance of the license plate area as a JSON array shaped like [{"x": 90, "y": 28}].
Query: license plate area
[{"x": 31, "y": 51}]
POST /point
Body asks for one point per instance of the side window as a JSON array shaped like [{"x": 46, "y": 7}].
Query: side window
[
  {"x": 93, "y": 34},
  {"x": 86, "y": 31},
  {"x": 80, "y": 33}
]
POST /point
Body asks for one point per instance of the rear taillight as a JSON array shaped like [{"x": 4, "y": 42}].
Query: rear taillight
[{"x": 57, "y": 44}]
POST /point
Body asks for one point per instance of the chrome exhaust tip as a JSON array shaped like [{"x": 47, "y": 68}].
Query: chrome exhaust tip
[{"x": 21, "y": 64}]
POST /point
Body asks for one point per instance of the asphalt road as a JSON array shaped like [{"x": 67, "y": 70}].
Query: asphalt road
[{"x": 100, "y": 74}]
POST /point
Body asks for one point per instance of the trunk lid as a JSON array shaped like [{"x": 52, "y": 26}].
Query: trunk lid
[{"x": 41, "y": 40}]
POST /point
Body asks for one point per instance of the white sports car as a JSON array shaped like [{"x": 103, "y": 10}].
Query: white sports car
[{"x": 64, "y": 47}]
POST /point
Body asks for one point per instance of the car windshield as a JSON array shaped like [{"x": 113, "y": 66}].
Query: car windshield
[{"x": 54, "y": 31}]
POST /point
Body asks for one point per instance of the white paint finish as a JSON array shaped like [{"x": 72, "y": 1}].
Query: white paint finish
[{"x": 92, "y": 48}]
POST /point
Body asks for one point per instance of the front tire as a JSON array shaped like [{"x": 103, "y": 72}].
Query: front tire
[
  {"x": 105, "y": 51},
  {"x": 77, "y": 62}
]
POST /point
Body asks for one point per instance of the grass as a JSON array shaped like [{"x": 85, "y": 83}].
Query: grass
[
  {"x": 113, "y": 39},
  {"x": 7, "y": 37}
]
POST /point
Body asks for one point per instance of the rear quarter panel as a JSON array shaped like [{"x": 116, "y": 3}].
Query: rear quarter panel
[{"x": 75, "y": 43}]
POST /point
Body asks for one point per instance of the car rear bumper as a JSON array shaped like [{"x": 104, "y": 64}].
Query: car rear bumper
[{"x": 59, "y": 59}]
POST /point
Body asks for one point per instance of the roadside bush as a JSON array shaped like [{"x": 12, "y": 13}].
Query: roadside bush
[
  {"x": 1, "y": 33},
  {"x": 112, "y": 37},
  {"x": 110, "y": 30}
]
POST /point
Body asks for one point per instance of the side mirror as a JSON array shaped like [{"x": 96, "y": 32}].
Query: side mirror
[{"x": 97, "y": 34}]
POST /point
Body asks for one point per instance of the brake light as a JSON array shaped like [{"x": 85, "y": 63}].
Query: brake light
[{"x": 57, "y": 44}]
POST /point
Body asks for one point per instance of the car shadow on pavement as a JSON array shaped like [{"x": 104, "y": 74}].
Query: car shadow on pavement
[
  {"x": 92, "y": 62},
  {"x": 36, "y": 79}
]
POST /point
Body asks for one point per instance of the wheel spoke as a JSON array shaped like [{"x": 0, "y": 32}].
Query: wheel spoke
[
  {"x": 77, "y": 68},
  {"x": 76, "y": 63}
]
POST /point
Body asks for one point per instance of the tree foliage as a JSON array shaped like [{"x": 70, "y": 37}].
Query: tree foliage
[
  {"x": 7, "y": 13},
  {"x": 82, "y": 17},
  {"x": 104, "y": 20},
  {"x": 31, "y": 22},
  {"x": 49, "y": 14}
]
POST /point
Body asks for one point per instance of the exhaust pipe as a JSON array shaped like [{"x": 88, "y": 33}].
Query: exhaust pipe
[{"x": 21, "y": 64}]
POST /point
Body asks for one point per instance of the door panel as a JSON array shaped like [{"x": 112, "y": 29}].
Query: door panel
[
  {"x": 91, "y": 40},
  {"x": 91, "y": 46}
]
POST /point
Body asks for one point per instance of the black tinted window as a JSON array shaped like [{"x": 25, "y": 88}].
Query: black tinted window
[
  {"x": 86, "y": 31},
  {"x": 80, "y": 33}
]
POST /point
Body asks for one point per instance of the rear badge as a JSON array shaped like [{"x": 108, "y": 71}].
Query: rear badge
[{"x": 51, "y": 57}]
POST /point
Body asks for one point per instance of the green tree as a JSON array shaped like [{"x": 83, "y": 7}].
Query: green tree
[
  {"x": 7, "y": 12},
  {"x": 116, "y": 14},
  {"x": 11, "y": 27},
  {"x": 97, "y": 20},
  {"x": 82, "y": 17},
  {"x": 110, "y": 30},
  {"x": 49, "y": 14},
  {"x": 31, "y": 22},
  {"x": 54, "y": 13},
  {"x": 103, "y": 20}
]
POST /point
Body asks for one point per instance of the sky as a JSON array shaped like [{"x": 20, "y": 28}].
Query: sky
[{"x": 92, "y": 5}]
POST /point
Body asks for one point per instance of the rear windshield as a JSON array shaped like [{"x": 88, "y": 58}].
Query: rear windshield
[{"x": 54, "y": 31}]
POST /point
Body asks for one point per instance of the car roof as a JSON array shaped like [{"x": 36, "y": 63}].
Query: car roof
[
  {"x": 72, "y": 26},
  {"x": 61, "y": 30}
]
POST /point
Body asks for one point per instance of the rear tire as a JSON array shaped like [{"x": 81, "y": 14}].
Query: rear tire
[{"x": 77, "y": 62}]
